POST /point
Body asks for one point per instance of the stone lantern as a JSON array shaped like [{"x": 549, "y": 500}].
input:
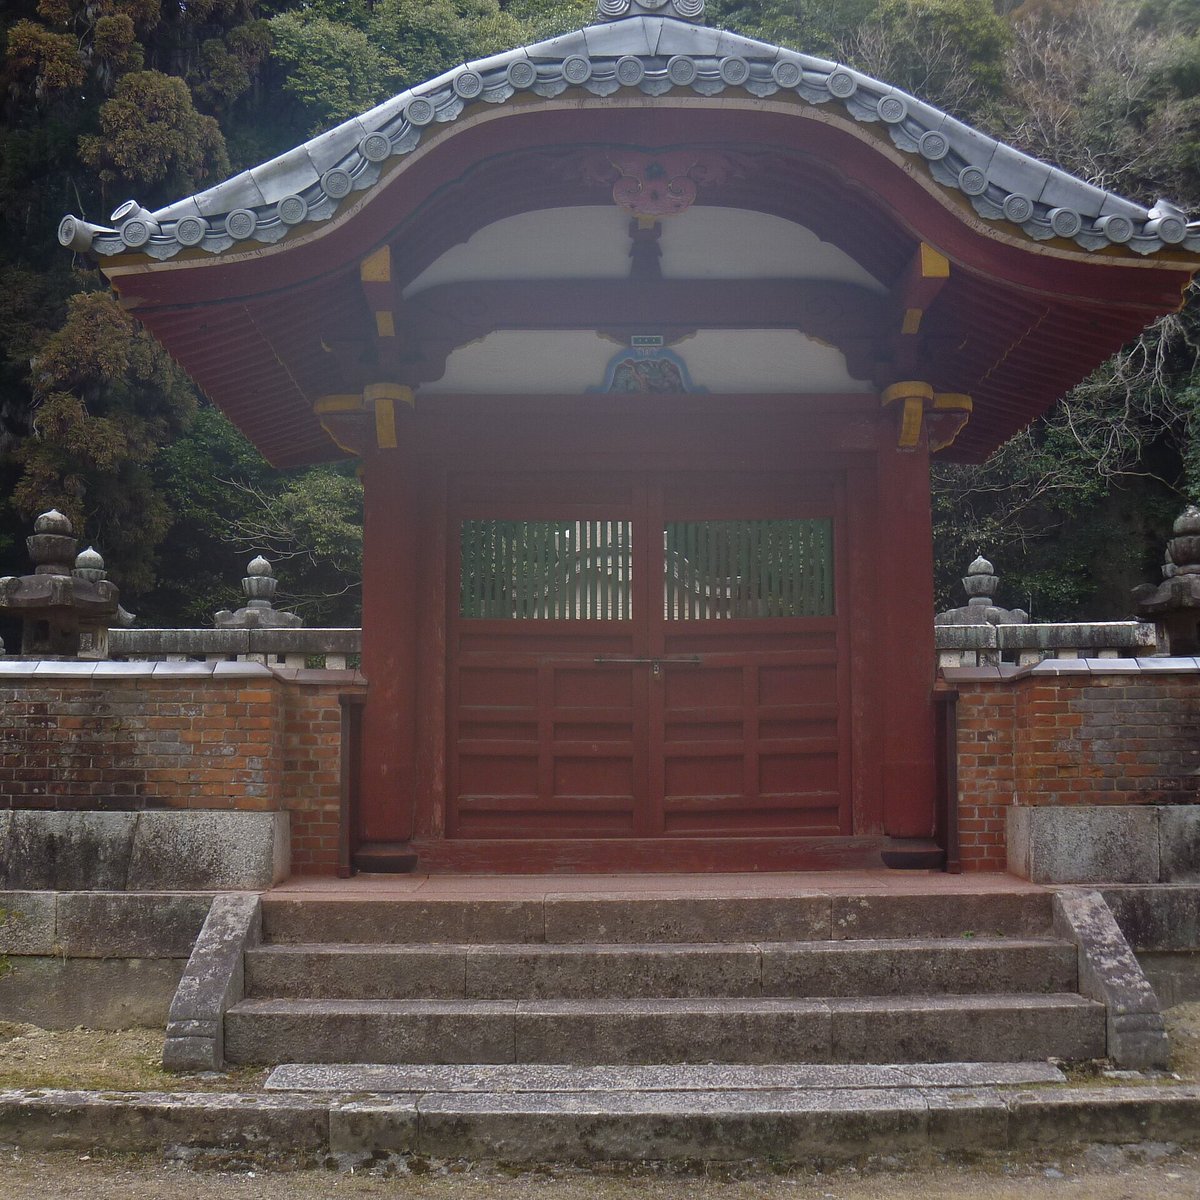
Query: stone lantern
[
  {"x": 67, "y": 604},
  {"x": 1175, "y": 603},
  {"x": 259, "y": 587},
  {"x": 980, "y": 584}
]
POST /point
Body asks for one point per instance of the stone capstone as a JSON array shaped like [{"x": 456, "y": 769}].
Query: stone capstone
[{"x": 1109, "y": 973}]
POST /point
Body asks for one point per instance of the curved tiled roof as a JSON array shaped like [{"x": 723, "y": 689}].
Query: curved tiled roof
[{"x": 653, "y": 55}]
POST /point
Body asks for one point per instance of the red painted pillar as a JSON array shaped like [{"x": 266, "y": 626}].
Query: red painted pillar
[
  {"x": 389, "y": 650},
  {"x": 905, "y": 606}
]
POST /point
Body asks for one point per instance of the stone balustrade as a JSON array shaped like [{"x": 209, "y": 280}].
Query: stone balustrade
[
  {"x": 986, "y": 645},
  {"x": 330, "y": 649},
  {"x": 338, "y": 649}
]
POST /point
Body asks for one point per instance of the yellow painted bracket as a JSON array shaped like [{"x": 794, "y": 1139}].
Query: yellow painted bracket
[
  {"x": 913, "y": 396},
  {"x": 942, "y": 415},
  {"x": 384, "y": 397}
]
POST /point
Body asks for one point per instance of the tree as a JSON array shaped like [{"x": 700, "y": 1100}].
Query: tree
[
  {"x": 106, "y": 396},
  {"x": 949, "y": 52},
  {"x": 153, "y": 140}
]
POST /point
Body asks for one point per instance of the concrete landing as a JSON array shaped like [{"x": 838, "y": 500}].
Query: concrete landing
[
  {"x": 508, "y": 1079},
  {"x": 782, "y": 1125}
]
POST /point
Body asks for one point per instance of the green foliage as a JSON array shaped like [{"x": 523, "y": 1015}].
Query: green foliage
[
  {"x": 153, "y": 140},
  {"x": 419, "y": 39},
  {"x": 950, "y": 52},
  {"x": 106, "y": 396},
  {"x": 227, "y": 505},
  {"x": 331, "y": 71},
  {"x": 813, "y": 26}
]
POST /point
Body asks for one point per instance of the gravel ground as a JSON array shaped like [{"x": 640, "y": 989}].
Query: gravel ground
[{"x": 1103, "y": 1173}]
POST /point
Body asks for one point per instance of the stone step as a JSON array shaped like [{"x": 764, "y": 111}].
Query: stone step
[
  {"x": 658, "y": 917},
  {"x": 861, "y": 967},
  {"x": 513, "y": 1078},
  {"x": 994, "y": 1028}
]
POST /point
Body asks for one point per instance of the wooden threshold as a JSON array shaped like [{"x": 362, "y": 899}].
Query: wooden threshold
[{"x": 481, "y": 856}]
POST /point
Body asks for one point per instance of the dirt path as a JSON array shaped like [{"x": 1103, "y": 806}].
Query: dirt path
[{"x": 1143, "y": 1173}]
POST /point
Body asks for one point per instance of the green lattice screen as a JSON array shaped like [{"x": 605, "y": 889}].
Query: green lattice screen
[
  {"x": 732, "y": 569},
  {"x": 549, "y": 570}
]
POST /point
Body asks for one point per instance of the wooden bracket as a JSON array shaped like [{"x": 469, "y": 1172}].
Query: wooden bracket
[
  {"x": 940, "y": 415},
  {"x": 926, "y": 274},
  {"x": 350, "y": 418},
  {"x": 375, "y": 277},
  {"x": 383, "y": 398}
]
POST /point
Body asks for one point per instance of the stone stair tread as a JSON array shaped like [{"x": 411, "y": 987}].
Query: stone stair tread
[
  {"x": 668, "y": 1005},
  {"x": 512, "y": 1078},
  {"x": 616, "y": 949}
]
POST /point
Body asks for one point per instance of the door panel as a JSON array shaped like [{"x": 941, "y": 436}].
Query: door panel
[{"x": 659, "y": 658}]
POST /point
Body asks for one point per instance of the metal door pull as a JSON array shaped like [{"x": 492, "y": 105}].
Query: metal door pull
[{"x": 655, "y": 664}]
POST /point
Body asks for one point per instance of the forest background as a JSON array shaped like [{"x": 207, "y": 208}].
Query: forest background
[{"x": 104, "y": 100}]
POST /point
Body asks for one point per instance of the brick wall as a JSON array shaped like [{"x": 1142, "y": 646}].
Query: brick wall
[
  {"x": 178, "y": 736},
  {"x": 1092, "y": 733}
]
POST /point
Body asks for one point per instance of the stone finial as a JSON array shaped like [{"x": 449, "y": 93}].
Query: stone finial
[
  {"x": 66, "y": 604},
  {"x": 52, "y": 544},
  {"x": 1183, "y": 550},
  {"x": 258, "y": 584},
  {"x": 1175, "y": 603},
  {"x": 981, "y": 583},
  {"x": 52, "y": 521},
  {"x": 89, "y": 565}
]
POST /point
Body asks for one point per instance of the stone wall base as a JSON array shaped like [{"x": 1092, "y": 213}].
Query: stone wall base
[
  {"x": 165, "y": 850},
  {"x": 97, "y": 993},
  {"x": 1108, "y": 843}
]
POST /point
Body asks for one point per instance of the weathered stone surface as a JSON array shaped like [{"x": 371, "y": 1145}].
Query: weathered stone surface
[
  {"x": 1089, "y": 844},
  {"x": 365, "y": 972},
  {"x": 672, "y": 1031},
  {"x": 113, "y": 993},
  {"x": 884, "y": 967},
  {"x": 378, "y": 921},
  {"x": 966, "y": 1119},
  {"x": 667, "y": 918},
  {"x": 360, "y": 1129},
  {"x": 1109, "y": 973},
  {"x": 950, "y": 1028},
  {"x": 941, "y": 915},
  {"x": 27, "y": 922},
  {"x": 1179, "y": 843},
  {"x": 176, "y": 850},
  {"x": 212, "y": 981},
  {"x": 68, "y": 850},
  {"x": 1161, "y": 1114},
  {"x": 272, "y": 1031},
  {"x": 1174, "y": 975},
  {"x": 216, "y": 849},
  {"x": 133, "y": 925},
  {"x": 1162, "y": 917},
  {"x": 590, "y": 970},
  {"x": 980, "y": 1074},
  {"x": 723, "y": 1124},
  {"x": 504, "y": 1078},
  {"x": 716, "y": 1125},
  {"x": 148, "y": 1121}
]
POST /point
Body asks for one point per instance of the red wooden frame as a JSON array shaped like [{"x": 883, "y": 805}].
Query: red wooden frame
[{"x": 888, "y": 661}]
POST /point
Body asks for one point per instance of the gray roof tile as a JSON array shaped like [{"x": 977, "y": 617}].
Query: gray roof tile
[{"x": 303, "y": 171}]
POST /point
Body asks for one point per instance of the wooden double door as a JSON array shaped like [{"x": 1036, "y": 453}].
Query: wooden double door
[{"x": 647, "y": 655}]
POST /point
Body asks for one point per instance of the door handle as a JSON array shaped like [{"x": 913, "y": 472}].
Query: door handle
[{"x": 655, "y": 664}]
